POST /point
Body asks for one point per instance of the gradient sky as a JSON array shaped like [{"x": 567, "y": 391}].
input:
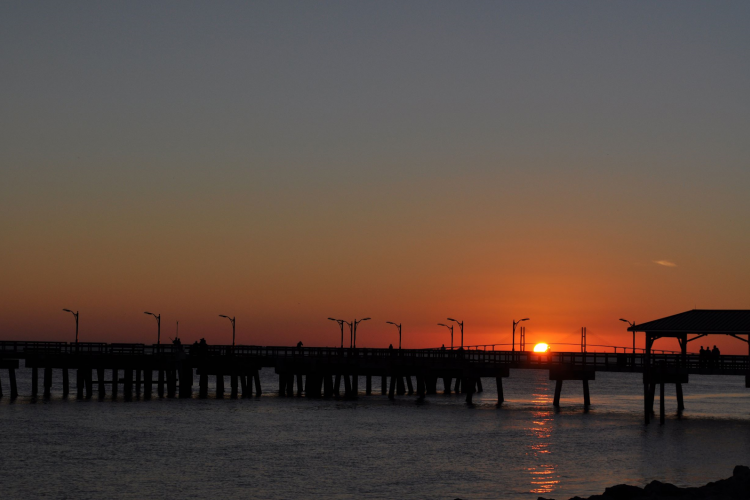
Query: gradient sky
[{"x": 573, "y": 162}]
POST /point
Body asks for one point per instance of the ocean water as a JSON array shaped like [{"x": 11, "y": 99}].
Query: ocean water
[{"x": 372, "y": 448}]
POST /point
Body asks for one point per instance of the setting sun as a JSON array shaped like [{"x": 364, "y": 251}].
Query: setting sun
[{"x": 541, "y": 347}]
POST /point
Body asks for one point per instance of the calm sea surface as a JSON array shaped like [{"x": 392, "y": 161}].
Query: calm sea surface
[{"x": 298, "y": 448}]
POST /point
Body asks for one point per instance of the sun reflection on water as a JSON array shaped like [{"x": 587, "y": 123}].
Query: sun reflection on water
[{"x": 543, "y": 474}]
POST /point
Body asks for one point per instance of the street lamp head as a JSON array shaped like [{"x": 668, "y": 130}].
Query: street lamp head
[
  {"x": 451, "y": 319},
  {"x": 67, "y": 310},
  {"x": 333, "y": 319},
  {"x": 442, "y": 324},
  {"x": 524, "y": 319},
  {"x": 390, "y": 322},
  {"x": 626, "y": 321},
  {"x": 146, "y": 312},
  {"x": 223, "y": 316},
  {"x": 365, "y": 319}
]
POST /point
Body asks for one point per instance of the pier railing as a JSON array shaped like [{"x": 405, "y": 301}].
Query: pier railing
[{"x": 600, "y": 361}]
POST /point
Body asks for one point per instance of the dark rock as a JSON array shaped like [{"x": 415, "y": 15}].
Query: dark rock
[
  {"x": 623, "y": 492},
  {"x": 659, "y": 489},
  {"x": 736, "y": 487}
]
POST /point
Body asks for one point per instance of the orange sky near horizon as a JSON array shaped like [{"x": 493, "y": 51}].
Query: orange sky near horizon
[{"x": 487, "y": 162}]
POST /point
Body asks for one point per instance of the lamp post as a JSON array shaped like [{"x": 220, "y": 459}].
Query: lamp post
[
  {"x": 75, "y": 314},
  {"x": 632, "y": 324},
  {"x": 399, "y": 331},
  {"x": 341, "y": 324},
  {"x": 461, "y": 326},
  {"x": 351, "y": 334},
  {"x": 515, "y": 323},
  {"x": 232, "y": 320},
  {"x": 158, "y": 326},
  {"x": 450, "y": 327},
  {"x": 355, "y": 323}
]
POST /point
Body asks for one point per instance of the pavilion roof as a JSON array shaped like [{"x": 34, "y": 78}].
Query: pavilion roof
[{"x": 727, "y": 321}]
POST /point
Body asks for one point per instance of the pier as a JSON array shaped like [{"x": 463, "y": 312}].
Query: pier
[{"x": 322, "y": 372}]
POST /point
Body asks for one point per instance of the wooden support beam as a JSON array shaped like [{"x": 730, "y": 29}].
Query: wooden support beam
[
  {"x": 680, "y": 402},
  {"x": 500, "y": 395},
  {"x": 243, "y": 386},
  {"x": 148, "y": 375},
  {"x": 383, "y": 385},
  {"x": 661, "y": 403},
  {"x": 233, "y": 383},
  {"x": 79, "y": 383},
  {"x": 431, "y": 384},
  {"x": 299, "y": 384},
  {"x": 347, "y": 386},
  {"x": 479, "y": 385},
  {"x": 290, "y": 385},
  {"x": 652, "y": 397},
  {"x": 47, "y": 381},
  {"x": 447, "y": 385},
  {"x": 392, "y": 389},
  {"x": 115, "y": 381},
  {"x": 186, "y": 381},
  {"x": 35, "y": 382},
  {"x": 337, "y": 385},
  {"x": 1, "y": 389},
  {"x": 282, "y": 385},
  {"x": 160, "y": 383},
  {"x": 421, "y": 388},
  {"x": 355, "y": 385},
  {"x": 128, "y": 388},
  {"x": 65, "y": 382},
  {"x": 400, "y": 388},
  {"x": 408, "y": 385},
  {"x": 138, "y": 382},
  {"x": 176, "y": 377},
  {"x": 100, "y": 379},
  {"x": 13, "y": 385},
  {"x": 457, "y": 386},
  {"x": 88, "y": 373},
  {"x": 646, "y": 409},
  {"x": 558, "y": 390},
  {"x": 219, "y": 385},
  {"x": 586, "y": 396},
  {"x": 469, "y": 384},
  {"x": 203, "y": 384},
  {"x": 327, "y": 385},
  {"x": 256, "y": 376}
]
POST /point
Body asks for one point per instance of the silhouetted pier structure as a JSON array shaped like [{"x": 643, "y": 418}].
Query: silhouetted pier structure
[{"x": 334, "y": 372}]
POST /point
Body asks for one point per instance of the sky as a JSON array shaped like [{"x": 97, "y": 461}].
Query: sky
[{"x": 285, "y": 162}]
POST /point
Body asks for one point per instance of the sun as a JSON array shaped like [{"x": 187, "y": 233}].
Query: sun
[{"x": 541, "y": 347}]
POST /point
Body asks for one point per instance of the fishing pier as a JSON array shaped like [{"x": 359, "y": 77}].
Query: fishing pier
[{"x": 144, "y": 371}]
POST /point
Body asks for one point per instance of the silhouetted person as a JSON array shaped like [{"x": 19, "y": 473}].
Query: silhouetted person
[
  {"x": 702, "y": 358},
  {"x": 202, "y": 348},
  {"x": 299, "y": 344},
  {"x": 390, "y": 347},
  {"x": 442, "y": 348},
  {"x": 716, "y": 356}
]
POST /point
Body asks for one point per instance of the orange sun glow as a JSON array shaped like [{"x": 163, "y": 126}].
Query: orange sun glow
[{"x": 541, "y": 347}]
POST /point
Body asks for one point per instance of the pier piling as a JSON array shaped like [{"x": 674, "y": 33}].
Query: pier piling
[{"x": 65, "y": 382}]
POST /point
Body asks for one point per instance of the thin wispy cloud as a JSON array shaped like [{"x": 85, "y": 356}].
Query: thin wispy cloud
[{"x": 665, "y": 263}]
